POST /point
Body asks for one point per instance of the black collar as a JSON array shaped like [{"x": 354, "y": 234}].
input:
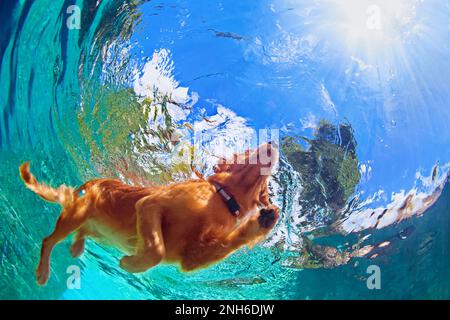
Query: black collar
[{"x": 230, "y": 201}]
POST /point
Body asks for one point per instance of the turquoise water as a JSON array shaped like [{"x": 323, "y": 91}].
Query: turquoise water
[{"x": 75, "y": 102}]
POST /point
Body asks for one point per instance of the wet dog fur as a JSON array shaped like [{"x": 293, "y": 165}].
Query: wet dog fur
[{"x": 186, "y": 223}]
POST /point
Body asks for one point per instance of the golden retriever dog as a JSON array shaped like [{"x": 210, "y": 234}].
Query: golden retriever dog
[{"x": 193, "y": 223}]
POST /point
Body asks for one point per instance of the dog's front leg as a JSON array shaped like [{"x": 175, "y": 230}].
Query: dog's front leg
[
  {"x": 248, "y": 233},
  {"x": 150, "y": 249},
  {"x": 255, "y": 228}
]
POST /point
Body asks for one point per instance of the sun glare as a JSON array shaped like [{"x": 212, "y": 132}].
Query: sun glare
[{"x": 372, "y": 23}]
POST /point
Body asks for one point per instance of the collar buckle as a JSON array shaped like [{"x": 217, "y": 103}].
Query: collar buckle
[{"x": 229, "y": 200}]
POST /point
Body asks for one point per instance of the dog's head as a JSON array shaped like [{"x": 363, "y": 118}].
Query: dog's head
[
  {"x": 265, "y": 157},
  {"x": 245, "y": 175}
]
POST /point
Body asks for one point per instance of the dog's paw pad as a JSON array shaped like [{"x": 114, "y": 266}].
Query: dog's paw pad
[{"x": 267, "y": 218}]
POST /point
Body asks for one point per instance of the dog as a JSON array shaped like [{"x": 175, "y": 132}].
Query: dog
[{"x": 194, "y": 223}]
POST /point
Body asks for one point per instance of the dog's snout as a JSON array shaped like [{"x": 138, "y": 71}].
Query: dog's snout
[
  {"x": 271, "y": 147},
  {"x": 272, "y": 144}
]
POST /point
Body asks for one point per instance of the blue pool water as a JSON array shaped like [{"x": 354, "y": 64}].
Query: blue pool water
[{"x": 74, "y": 101}]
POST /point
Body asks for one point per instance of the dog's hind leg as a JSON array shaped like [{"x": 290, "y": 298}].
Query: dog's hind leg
[
  {"x": 150, "y": 249},
  {"x": 77, "y": 247},
  {"x": 69, "y": 221}
]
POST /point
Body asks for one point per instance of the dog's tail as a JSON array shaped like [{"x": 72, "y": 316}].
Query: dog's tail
[{"x": 63, "y": 195}]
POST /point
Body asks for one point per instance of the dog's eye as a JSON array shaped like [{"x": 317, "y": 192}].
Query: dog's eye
[{"x": 221, "y": 168}]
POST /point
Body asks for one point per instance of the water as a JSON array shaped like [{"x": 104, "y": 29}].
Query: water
[{"x": 358, "y": 90}]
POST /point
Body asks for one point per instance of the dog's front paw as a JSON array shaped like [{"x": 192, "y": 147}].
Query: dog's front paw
[
  {"x": 133, "y": 264},
  {"x": 126, "y": 263},
  {"x": 268, "y": 217}
]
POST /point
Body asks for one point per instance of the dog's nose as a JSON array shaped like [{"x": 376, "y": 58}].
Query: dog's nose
[{"x": 272, "y": 144}]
